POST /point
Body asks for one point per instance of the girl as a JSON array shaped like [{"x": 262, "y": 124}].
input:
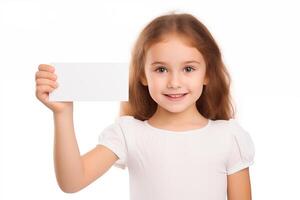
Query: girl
[{"x": 176, "y": 135}]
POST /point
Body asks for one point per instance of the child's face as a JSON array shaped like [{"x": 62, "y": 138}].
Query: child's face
[{"x": 167, "y": 72}]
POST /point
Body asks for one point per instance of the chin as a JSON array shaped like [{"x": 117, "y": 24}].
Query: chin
[{"x": 174, "y": 108}]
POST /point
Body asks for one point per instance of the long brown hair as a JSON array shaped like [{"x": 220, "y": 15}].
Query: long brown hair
[{"x": 215, "y": 100}]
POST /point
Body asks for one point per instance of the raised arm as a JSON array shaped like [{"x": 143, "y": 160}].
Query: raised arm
[{"x": 73, "y": 171}]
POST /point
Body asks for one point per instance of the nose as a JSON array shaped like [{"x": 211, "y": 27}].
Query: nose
[{"x": 174, "y": 81}]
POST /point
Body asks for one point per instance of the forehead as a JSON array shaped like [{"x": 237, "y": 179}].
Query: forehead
[{"x": 173, "y": 49}]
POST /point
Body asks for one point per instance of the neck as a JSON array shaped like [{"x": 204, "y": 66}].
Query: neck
[{"x": 162, "y": 116}]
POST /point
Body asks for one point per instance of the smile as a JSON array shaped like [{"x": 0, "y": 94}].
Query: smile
[{"x": 175, "y": 97}]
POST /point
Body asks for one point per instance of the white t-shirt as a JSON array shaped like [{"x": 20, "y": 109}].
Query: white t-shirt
[{"x": 173, "y": 165}]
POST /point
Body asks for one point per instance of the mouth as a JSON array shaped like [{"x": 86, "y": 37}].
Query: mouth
[{"x": 176, "y": 96}]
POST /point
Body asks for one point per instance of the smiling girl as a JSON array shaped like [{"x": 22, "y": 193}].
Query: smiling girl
[{"x": 176, "y": 134}]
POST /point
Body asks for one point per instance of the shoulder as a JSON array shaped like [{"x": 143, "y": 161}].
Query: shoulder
[
  {"x": 239, "y": 132},
  {"x": 122, "y": 127},
  {"x": 232, "y": 131},
  {"x": 241, "y": 147},
  {"x": 231, "y": 127},
  {"x": 121, "y": 124},
  {"x": 240, "y": 137},
  {"x": 127, "y": 122},
  {"x": 127, "y": 119}
]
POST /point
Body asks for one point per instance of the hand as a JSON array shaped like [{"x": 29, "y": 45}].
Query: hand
[{"x": 45, "y": 83}]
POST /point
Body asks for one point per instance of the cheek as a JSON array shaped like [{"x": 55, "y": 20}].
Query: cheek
[
  {"x": 155, "y": 85},
  {"x": 154, "y": 79},
  {"x": 196, "y": 83}
]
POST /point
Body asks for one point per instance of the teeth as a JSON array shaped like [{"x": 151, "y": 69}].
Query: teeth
[{"x": 175, "y": 95}]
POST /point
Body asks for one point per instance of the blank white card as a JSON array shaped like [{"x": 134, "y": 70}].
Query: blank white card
[{"x": 91, "y": 82}]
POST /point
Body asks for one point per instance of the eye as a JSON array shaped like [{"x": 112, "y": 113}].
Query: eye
[
  {"x": 160, "y": 69},
  {"x": 190, "y": 68}
]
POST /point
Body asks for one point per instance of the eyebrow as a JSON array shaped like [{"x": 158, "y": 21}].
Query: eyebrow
[{"x": 186, "y": 62}]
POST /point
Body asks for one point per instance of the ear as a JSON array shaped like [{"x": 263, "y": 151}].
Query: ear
[
  {"x": 205, "y": 80},
  {"x": 144, "y": 81}
]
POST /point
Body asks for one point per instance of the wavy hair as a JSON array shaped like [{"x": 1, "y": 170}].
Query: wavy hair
[{"x": 215, "y": 100}]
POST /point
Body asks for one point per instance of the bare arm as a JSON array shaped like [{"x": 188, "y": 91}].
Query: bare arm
[
  {"x": 238, "y": 185},
  {"x": 74, "y": 172}
]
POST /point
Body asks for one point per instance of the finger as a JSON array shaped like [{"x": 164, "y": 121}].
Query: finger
[
  {"x": 43, "y": 81},
  {"x": 44, "y": 74},
  {"x": 45, "y": 67},
  {"x": 42, "y": 89}
]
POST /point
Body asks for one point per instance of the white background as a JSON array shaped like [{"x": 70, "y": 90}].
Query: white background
[{"x": 259, "y": 41}]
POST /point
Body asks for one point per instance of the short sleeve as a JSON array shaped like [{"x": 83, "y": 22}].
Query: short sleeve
[
  {"x": 113, "y": 138},
  {"x": 242, "y": 151}
]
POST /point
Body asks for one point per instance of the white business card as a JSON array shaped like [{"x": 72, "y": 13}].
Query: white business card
[{"x": 91, "y": 82}]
